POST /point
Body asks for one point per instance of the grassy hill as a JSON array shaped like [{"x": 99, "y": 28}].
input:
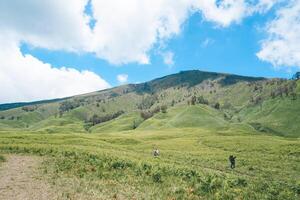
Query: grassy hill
[
  {"x": 102, "y": 141},
  {"x": 265, "y": 104}
]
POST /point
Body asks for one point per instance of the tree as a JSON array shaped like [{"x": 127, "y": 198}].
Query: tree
[
  {"x": 217, "y": 106},
  {"x": 173, "y": 103},
  {"x": 202, "y": 100},
  {"x": 156, "y": 110},
  {"x": 193, "y": 100},
  {"x": 29, "y": 108},
  {"x": 146, "y": 115},
  {"x": 135, "y": 125},
  {"x": 164, "y": 109},
  {"x": 294, "y": 96}
]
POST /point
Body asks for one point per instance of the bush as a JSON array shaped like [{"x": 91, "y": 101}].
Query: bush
[
  {"x": 100, "y": 119},
  {"x": 68, "y": 105},
  {"x": 156, "y": 177},
  {"x": 164, "y": 109},
  {"x": 217, "y": 106},
  {"x": 202, "y": 100},
  {"x": 2, "y": 158},
  {"x": 29, "y": 108},
  {"x": 146, "y": 114}
]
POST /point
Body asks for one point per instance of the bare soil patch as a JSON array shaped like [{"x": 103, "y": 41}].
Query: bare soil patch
[{"x": 21, "y": 179}]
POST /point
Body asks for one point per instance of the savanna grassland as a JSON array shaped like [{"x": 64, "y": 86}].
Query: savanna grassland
[{"x": 99, "y": 145}]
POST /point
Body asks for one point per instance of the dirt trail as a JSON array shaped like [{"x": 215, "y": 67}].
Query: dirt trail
[{"x": 20, "y": 179}]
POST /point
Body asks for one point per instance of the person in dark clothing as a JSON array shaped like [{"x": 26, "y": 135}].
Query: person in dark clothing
[{"x": 232, "y": 161}]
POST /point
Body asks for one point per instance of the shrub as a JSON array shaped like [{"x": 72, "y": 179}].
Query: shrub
[
  {"x": 29, "y": 108},
  {"x": 164, "y": 109},
  {"x": 202, "y": 100},
  {"x": 68, "y": 105},
  {"x": 146, "y": 114},
  {"x": 217, "y": 106},
  {"x": 193, "y": 100},
  {"x": 156, "y": 177},
  {"x": 100, "y": 119}
]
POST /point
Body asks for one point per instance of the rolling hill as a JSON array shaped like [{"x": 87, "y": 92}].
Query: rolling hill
[
  {"x": 98, "y": 145},
  {"x": 193, "y": 99}
]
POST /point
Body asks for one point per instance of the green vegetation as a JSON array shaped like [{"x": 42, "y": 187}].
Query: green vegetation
[
  {"x": 2, "y": 158},
  {"x": 100, "y": 144}
]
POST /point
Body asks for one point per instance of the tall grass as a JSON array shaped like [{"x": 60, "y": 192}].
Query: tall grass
[{"x": 192, "y": 165}]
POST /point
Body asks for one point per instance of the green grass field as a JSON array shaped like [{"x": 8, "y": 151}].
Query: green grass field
[
  {"x": 257, "y": 120},
  {"x": 193, "y": 163}
]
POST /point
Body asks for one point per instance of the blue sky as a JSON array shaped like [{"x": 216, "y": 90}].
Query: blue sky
[
  {"x": 201, "y": 45},
  {"x": 80, "y": 46}
]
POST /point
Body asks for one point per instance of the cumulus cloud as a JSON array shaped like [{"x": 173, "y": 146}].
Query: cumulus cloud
[
  {"x": 25, "y": 78},
  {"x": 125, "y": 31},
  {"x": 51, "y": 24},
  {"x": 122, "y": 78},
  {"x": 282, "y": 48}
]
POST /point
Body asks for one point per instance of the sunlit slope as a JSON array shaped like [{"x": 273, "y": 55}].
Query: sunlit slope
[
  {"x": 275, "y": 116},
  {"x": 123, "y": 123},
  {"x": 267, "y": 106},
  {"x": 186, "y": 117}
]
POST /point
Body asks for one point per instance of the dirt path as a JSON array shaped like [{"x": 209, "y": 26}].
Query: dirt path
[{"x": 20, "y": 179}]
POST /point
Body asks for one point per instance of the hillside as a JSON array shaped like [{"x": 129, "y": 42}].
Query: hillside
[
  {"x": 191, "y": 99},
  {"x": 99, "y": 145}
]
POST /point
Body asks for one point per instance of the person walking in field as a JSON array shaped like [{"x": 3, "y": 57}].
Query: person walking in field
[
  {"x": 155, "y": 152},
  {"x": 232, "y": 161}
]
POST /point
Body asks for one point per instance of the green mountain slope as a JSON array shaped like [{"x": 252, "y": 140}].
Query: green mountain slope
[{"x": 193, "y": 99}]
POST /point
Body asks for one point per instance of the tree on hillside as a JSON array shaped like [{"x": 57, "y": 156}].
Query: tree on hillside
[
  {"x": 193, "y": 100},
  {"x": 173, "y": 103},
  {"x": 217, "y": 106},
  {"x": 202, "y": 100},
  {"x": 29, "y": 108},
  {"x": 164, "y": 109},
  {"x": 134, "y": 125},
  {"x": 146, "y": 114}
]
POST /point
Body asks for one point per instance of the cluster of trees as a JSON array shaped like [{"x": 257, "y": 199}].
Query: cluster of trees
[
  {"x": 146, "y": 114},
  {"x": 198, "y": 100},
  {"x": 147, "y": 102},
  {"x": 11, "y": 117},
  {"x": 29, "y": 108},
  {"x": 256, "y": 100},
  {"x": 201, "y": 100},
  {"x": 285, "y": 90},
  {"x": 95, "y": 119},
  {"x": 66, "y": 106}
]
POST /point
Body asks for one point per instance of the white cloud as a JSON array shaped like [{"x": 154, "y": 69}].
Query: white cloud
[
  {"x": 25, "y": 78},
  {"x": 168, "y": 58},
  {"x": 51, "y": 24},
  {"x": 122, "y": 78},
  {"x": 282, "y": 48},
  {"x": 125, "y": 31}
]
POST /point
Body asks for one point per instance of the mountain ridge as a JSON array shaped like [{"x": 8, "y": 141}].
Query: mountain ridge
[{"x": 260, "y": 103}]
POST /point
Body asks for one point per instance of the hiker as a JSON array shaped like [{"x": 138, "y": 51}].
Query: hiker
[
  {"x": 232, "y": 161},
  {"x": 155, "y": 152}
]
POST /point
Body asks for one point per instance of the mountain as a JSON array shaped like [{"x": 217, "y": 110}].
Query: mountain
[{"x": 187, "y": 99}]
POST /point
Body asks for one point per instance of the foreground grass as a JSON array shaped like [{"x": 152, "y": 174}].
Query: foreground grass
[
  {"x": 193, "y": 163},
  {"x": 2, "y": 158}
]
